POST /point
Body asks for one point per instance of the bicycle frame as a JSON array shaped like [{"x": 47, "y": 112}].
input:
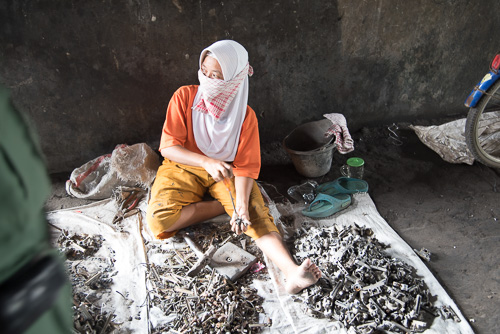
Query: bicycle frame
[
  {"x": 480, "y": 89},
  {"x": 488, "y": 80}
]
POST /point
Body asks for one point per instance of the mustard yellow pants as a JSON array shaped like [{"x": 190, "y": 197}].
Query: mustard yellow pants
[{"x": 177, "y": 185}]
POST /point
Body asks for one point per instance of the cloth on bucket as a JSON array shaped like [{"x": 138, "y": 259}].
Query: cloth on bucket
[
  {"x": 343, "y": 139},
  {"x": 134, "y": 165}
]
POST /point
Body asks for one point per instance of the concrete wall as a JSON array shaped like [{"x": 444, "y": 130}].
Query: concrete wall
[{"x": 96, "y": 73}]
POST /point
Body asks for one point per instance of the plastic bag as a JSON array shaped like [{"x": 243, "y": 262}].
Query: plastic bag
[{"x": 131, "y": 166}]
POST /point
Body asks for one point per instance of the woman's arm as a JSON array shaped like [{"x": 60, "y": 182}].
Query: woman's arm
[
  {"x": 216, "y": 168},
  {"x": 243, "y": 186}
]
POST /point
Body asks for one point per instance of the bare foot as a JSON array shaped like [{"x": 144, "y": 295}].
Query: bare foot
[{"x": 306, "y": 274}]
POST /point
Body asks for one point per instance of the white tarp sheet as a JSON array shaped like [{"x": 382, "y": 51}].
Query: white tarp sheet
[{"x": 128, "y": 243}]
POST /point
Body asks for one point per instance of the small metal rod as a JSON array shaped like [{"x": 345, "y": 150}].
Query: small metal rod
[
  {"x": 121, "y": 294},
  {"x": 93, "y": 278},
  {"x": 106, "y": 324},
  {"x": 226, "y": 240}
]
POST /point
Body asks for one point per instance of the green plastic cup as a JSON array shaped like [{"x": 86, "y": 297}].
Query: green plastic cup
[{"x": 354, "y": 167}]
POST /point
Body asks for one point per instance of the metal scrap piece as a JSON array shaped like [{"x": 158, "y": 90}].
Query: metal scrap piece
[
  {"x": 363, "y": 287},
  {"x": 449, "y": 313},
  {"x": 424, "y": 254}
]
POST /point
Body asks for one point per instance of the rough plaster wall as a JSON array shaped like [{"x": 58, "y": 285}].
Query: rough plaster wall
[
  {"x": 420, "y": 61},
  {"x": 93, "y": 74}
]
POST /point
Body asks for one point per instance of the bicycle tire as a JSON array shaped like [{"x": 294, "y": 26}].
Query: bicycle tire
[{"x": 488, "y": 107}]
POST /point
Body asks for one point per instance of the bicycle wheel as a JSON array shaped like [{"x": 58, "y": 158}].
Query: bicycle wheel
[{"x": 482, "y": 128}]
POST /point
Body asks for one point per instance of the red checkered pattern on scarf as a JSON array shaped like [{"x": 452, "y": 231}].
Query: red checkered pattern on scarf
[
  {"x": 218, "y": 94},
  {"x": 343, "y": 140}
]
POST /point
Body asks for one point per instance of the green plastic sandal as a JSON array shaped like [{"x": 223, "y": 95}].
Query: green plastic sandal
[
  {"x": 343, "y": 185},
  {"x": 326, "y": 205}
]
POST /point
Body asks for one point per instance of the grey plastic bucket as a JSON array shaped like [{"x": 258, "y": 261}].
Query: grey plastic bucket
[{"x": 311, "y": 152}]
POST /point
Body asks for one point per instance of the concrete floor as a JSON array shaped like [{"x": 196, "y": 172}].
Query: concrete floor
[{"x": 452, "y": 210}]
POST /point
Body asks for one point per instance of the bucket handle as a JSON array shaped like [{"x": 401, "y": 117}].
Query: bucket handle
[{"x": 324, "y": 147}]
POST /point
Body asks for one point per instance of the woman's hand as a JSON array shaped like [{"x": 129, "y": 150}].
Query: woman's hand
[
  {"x": 240, "y": 221},
  {"x": 217, "y": 169}
]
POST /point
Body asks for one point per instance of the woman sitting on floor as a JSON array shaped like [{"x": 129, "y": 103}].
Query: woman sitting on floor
[{"x": 210, "y": 133}]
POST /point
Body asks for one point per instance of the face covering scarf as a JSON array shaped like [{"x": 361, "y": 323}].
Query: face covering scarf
[
  {"x": 219, "y": 107},
  {"x": 217, "y": 94}
]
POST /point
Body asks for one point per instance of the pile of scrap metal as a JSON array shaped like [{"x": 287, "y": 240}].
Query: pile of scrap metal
[
  {"x": 88, "y": 283},
  {"x": 207, "y": 302},
  {"x": 362, "y": 287}
]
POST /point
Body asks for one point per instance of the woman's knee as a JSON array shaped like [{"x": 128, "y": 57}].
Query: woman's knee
[{"x": 160, "y": 218}]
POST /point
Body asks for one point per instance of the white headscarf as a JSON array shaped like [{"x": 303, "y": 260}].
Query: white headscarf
[{"x": 218, "y": 138}]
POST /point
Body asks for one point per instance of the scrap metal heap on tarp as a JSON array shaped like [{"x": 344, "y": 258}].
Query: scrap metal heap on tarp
[
  {"x": 362, "y": 287},
  {"x": 125, "y": 281}
]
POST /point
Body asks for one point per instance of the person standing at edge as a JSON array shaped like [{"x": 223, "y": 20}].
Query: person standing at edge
[
  {"x": 210, "y": 133},
  {"x": 35, "y": 293}
]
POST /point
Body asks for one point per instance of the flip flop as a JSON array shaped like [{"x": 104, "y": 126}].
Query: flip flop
[
  {"x": 343, "y": 185},
  {"x": 326, "y": 205}
]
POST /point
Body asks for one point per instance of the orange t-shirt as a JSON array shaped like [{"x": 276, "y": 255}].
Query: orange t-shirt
[{"x": 178, "y": 130}]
